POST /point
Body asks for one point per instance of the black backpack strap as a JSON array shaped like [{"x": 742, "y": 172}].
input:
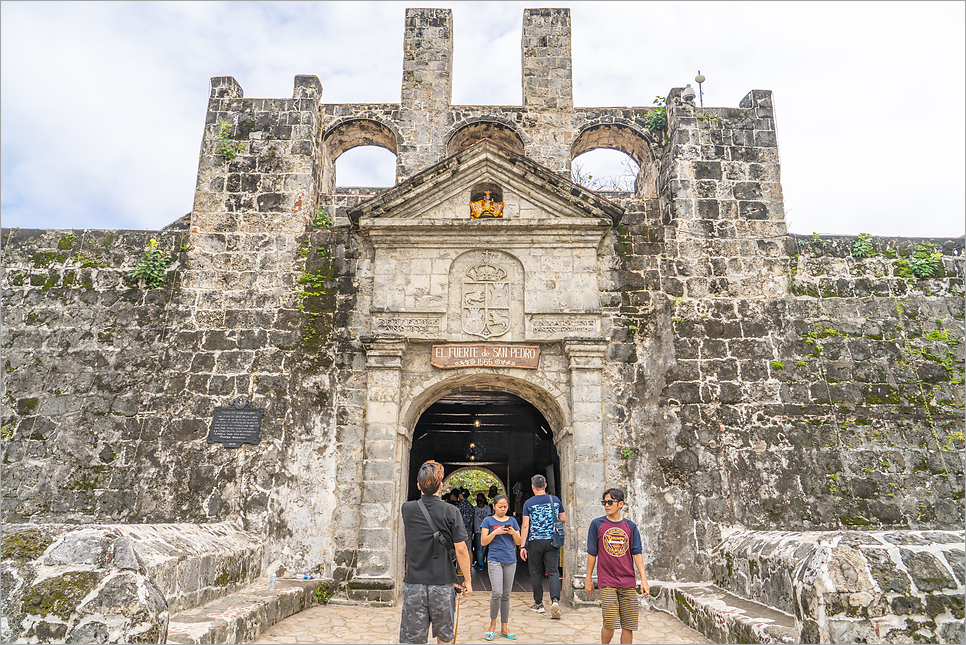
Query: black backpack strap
[{"x": 432, "y": 525}]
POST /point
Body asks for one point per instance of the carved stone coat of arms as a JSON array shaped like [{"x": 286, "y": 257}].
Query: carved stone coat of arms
[{"x": 485, "y": 305}]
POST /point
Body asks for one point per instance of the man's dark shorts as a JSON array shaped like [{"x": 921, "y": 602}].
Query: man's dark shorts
[{"x": 425, "y": 604}]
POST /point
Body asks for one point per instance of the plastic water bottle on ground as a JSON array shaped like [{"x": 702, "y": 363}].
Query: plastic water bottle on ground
[{"x": 271, "y": 582}]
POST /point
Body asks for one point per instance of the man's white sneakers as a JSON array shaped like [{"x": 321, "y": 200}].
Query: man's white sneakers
[{"x": 555, "y": 610}]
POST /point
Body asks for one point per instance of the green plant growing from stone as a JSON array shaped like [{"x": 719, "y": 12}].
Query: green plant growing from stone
[
  {"x": 927, "y": 262},
  {"x": 151, "y": 266},
  {"x": 626, "y": 453},
  {"x": 322, "y": 219},
  {"x": 656, "y": 119},
  {"x": 323, "y": 593},
  {"x": 223, "y": 142},
  {"x": 862, "y": 247},
  {"x": 817, "y": 241}
]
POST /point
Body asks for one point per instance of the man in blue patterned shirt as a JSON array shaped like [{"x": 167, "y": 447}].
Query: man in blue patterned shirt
[{"x": 539, "y": 514}]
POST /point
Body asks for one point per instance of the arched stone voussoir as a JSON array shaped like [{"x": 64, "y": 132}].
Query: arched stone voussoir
[
  {"x": 626, "y": 137},
  {"x": 501, "y": 131},
  {"x": 548, "y": 399},
  {"x": 352, "y": 132}
]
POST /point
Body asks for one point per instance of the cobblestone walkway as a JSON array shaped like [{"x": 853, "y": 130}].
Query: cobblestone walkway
[{"x": 356, "y": 624}]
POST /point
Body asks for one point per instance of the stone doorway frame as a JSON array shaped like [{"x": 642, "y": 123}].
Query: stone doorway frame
[{"x": 574, "y": 411}]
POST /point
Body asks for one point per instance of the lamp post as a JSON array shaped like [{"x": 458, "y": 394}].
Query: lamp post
[{"x": 699, "y": 79}]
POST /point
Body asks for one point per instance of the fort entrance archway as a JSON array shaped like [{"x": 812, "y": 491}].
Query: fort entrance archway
[{"x": 496, "y": 431}]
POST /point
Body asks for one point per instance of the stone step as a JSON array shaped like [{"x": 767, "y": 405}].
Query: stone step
[
  {"x": 722, "y": 616},
  {"x": 243, "y": 615}
]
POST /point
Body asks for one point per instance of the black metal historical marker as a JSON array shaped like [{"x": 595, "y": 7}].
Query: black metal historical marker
[{"x": 236, "y": 425}]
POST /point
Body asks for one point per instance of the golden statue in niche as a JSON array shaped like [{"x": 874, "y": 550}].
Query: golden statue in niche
[{"x": 486, "y": 207}]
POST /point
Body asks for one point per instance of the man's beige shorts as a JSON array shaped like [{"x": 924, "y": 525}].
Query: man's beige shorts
[{"x": 620, "y": 608}]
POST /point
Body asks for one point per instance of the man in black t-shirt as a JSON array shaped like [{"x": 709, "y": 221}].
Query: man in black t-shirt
[{"x": 429, "y": 596}]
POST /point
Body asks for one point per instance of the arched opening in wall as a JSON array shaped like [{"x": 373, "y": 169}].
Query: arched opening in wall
[
  {"x": 605, "y": 170},
  {"x": 496, "y": 132},
  {"x": 475, "y": 479},
  {"x": 366, "y": 166},
  {"x": 496, "y": 431},
  {"x": 608, "y": 157},
  {"x": 358, "y": 152}
]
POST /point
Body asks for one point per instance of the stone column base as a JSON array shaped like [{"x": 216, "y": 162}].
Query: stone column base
[{"x": 380, "y": 592}]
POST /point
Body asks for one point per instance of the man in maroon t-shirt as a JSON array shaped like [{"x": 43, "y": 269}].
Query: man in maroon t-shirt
[{"x": 614, "y": 545}]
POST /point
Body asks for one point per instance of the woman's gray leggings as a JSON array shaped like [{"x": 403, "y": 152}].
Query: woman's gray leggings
[{"x": 501, "y": 579}]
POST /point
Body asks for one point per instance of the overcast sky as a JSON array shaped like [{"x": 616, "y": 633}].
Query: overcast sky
[{"x": 103, "y": 104}]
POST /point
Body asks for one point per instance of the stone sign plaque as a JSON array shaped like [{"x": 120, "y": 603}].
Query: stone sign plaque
[
  {"x": 451, "y": 356},
  {"x": 414, "y": 324},
  {"x": 236, "y": 425},
  {"x": 547, "y": 326}
]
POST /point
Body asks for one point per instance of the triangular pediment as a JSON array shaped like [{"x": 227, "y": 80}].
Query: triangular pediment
[{"x": 527, "y": 190}]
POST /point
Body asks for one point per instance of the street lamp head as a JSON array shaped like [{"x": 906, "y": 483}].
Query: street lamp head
[{"x": 688, "y": 94}]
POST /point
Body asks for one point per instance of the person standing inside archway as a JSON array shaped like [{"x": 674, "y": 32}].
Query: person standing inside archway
[
  {"x": 429, "y": 594},
  {"x": 468, "y": 515},
  {"x": 482, "y": 510},
  {"x": 539, "y": 514}
]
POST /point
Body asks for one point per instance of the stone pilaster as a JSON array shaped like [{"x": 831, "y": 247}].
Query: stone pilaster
[
  {"x": 586, "y": 379},
  {"x": 380, "y": 495}
]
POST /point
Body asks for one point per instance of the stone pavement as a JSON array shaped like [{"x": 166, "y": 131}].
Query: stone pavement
[{"x": 343, "y": 623}]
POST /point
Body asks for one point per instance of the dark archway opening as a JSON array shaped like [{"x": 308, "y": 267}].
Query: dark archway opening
[{"x": 498, "y": 431}]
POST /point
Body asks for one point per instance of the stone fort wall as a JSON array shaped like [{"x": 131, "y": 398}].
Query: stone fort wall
[{"x": 755, "y": 379}]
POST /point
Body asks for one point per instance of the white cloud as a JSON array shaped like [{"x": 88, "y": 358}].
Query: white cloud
[{"x": 103, "y": 104}]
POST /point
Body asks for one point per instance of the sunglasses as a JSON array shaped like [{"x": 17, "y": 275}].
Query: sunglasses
[{"x": 608, "y": 502}]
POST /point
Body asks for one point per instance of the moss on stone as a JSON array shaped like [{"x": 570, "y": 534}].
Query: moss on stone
[
  {"x": 891, "y": 396},
  {"x": 682, "y": 602},
  {"x": 87, "y": 262},
  {"x": 43, "y": 259},
  {"x": 60, "y": 595},
  {"x": 26, "y": 407},
  {"x": 223, "y": 578},
  {"x": 317, "y": 300},
  {"x": 25, "y": 545}
]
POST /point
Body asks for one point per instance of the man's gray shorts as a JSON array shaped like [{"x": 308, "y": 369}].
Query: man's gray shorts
[{"x": 425, "y": 604}]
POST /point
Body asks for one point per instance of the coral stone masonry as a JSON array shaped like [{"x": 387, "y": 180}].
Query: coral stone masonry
[{"x": 784, "y": 412}]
